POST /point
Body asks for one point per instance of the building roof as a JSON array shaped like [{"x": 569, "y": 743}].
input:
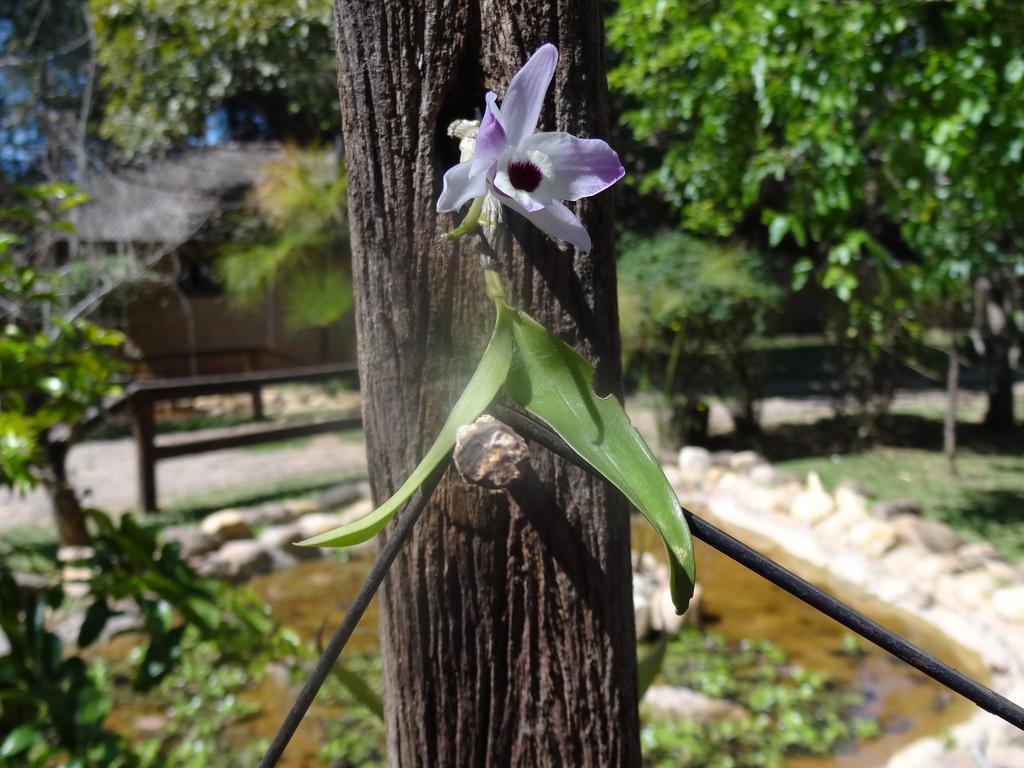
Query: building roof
[{"x": 169, "y": 201}]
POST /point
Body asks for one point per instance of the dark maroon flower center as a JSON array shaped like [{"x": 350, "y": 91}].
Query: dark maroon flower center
[{"x": 524, "y": 175}]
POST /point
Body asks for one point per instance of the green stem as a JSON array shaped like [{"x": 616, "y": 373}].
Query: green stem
[{"x": 469, "y": 222}]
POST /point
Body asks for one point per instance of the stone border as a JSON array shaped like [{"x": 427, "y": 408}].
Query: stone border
[{"x": 965, "y": 591}]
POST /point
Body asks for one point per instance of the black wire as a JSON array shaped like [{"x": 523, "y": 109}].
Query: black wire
[
  {"x": 938, "y": 670},
  {"x": 399, "y": 535}
]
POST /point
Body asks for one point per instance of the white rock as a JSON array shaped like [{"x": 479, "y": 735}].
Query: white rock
[
  {"x": 301, "y": 507},
  {"x": 976, "y": 554},
  {"x": 849, "y": 498},
  {"x": 320, "y": 522},
  {"x": 226, "y": 525},
  {"x": 929, "y": 535},
  {"x": 282, "y": 538},
  {"x": 837, "y": 526},
  {"x": 764, "y": 474},
  {"x": 663, "y": 611},
  {"x": 785, "y": 495},
  {"x": 727, "y": 481},
  {"x": 1009, "y": 602},
  {"x": 642, "y": 615},
  {"x": 1001, "y": 572},
  {"x": 744, "y": 461},
  {"x": 672, "y": 704},
  {"x": 814, "y": 503},
  {"x": 873, "y": 537},
  {"x": 929, "y": 567},
  {"x": 356, "y": 510},
  {"x": 721, "y": 458},
  {"x": 238, "y": 560},
  {"x": 887, "y": 509},
  {"x": 693, "y": 464}
]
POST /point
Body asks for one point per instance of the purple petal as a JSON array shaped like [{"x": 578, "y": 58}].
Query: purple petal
[
  {"x": 582, "y": 167},
  {"x": 490, "y": 139},
  {"x": 459, "y": 188},
  {"x": 557, "y": 220},
  {"x": 521, "y": 108}
]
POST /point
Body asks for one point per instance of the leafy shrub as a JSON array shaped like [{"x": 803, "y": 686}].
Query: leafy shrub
[
  {"x": 689, "y": 309},
  {"x": 53, "y": 703},
  {"x": 294, "y": 238},
  {"x": 55, "y": 365}
]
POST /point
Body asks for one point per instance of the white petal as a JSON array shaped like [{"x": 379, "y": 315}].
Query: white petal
[
  {"x": 557, "y": 220},
  {"x": 459, "y": 188},
  {"x": 521, "y": 108},
  {"x": 581, "y": 167}
]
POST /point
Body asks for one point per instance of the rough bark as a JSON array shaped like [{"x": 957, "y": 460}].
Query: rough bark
[
  {"x": 67, "y": 510},
  {"x": 997, "y": 297},
  {"x": 952, "y": 396},
  {"x": 507, "y": 624}
]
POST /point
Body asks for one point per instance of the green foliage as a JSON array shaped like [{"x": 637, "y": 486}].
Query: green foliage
[
  {"x": 167, "y": 65},
  {"x": 555, "y": 383},
  {"x": 791, "y": 710},
  {"x": 52, "y": 702},
  {"x": 690, "y": 308},
  {"x": 355, "y": 738},
  {"x": 295, "y": 239},
  {"x": 879, "y": 142},
  {"x": 52, "y": 369},
  {"x": 866, "y": 127},
  {"x": 202, "y": 698}
]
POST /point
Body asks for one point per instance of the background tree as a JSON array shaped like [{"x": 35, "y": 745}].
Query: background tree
[
  {"x": 179, "y": 69},
  {"x": 507, "y": 627},
  {"x": 294, "y": 238},
  {"x": 882, "y": 139},
  {"x": 54, "y": 364},
  {"x": 46, "y": 78},
  {"x": 689, "y": 309}
]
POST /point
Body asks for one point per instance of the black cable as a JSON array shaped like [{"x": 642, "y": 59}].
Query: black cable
[
  {"x": 803, "y": 590},
  {"x": 407, "y": 518}
]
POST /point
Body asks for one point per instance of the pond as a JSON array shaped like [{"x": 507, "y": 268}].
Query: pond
[{"x": 311, "y": 598}]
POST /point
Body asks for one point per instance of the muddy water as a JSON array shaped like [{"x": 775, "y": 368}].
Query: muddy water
[
  {"x": 311, "y": 599},
  {"x": 908, "y": 705}
]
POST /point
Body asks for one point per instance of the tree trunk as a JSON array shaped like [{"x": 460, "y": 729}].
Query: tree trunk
[
  {"x": 999, "y": 416},
  {"x": 507, "y": 624},
  {"x": 952, "y": 396},
  {"x": 67, "y": 511},
  {"x": 997, "y": 337}
]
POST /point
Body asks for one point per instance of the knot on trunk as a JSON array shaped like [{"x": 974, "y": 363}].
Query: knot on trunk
[{"x": 489, "y": 453}]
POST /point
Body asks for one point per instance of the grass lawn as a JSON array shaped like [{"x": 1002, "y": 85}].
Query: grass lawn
[{"x": 985, "y": 501}]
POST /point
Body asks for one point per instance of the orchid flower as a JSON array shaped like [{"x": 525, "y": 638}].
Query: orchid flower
[{"x": 530, "y": 172}]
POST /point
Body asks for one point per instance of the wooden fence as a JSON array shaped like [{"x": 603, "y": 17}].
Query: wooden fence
[{"x": 141, "y": 397}]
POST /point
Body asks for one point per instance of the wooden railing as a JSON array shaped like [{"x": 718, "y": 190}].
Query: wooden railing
[{"x": 141, "y": 396}]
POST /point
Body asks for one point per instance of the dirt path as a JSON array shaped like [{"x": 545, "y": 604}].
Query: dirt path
[{"x": 105, "y": 473}]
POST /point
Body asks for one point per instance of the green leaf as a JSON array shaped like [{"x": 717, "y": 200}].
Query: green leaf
[
  {"x": 778, "y": 229},
  {"x": 555, "y": 383},
  {"x": 480, "y": 391},
  {"x": 649, "y": 667},
  {"x": 95, "y": 619},
  {"x": 360, "y": 690},
  {"x": 19, "y": 740}
]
